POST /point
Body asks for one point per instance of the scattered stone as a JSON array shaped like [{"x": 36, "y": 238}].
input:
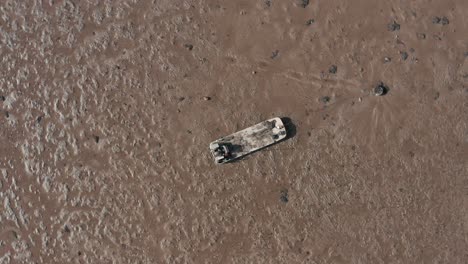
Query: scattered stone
[
  {"x": 381, "y": 89},
  {"x": 325, "y": 99},
  {"x": 421, "y": 35},
  {"x": 387, "y": 59},
  {"x": 96, "y": 139},
  {"x": 310, "y": 22},
  {"x": 444, "y": 21},
  {"x": 304, "y": 3},
  {"x": 207, "y": 98},
  {"x": 333, "y": 69},
  {"x": 189, "y": 46},
  {"x": 394, "y": 26},
  {"x": 436, "y": 20},
  {"x": 284, "y": 197},
  {"x": 274, "y": 54},
  {"x": 404, "y": 55}
]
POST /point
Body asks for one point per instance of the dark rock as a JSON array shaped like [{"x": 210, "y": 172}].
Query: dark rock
[
  {"x": 325, "y": 99},
  {"x": 66, "y": 229},
  {"x": 333, "y": 69},
  {"x": 189, "y": 46},
  {"x": 310, "y": 22},
  {"x": 181, "y": 98},
  {"x": 39, "y": 119},
  {"x": 284, "y": 197},
  {"x": 394, "y": 26},
  {"x": 274, "y": 54},
  {"x": 2, "y": 98},
  {"x": 436, "y": 20},
  {"x": 268, "y": 3},
  {"x": 444, "y": 21},
  {"x": 304, "y": 3},
  {"x": 96, "y": 139},
  {"x": 7, "y": 114},
  {"x": 381, "y": 89},
  {"x": 404, "y": 55}
]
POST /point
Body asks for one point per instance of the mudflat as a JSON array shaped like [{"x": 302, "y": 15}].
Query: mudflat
[{"x": 107, "y": 109}]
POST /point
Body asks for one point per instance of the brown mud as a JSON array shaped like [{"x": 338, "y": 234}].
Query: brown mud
[{"x": 107, "y": 109}]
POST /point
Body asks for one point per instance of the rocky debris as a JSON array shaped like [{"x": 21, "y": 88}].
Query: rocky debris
[
  {"x": 274, "y": 54},
  {"x": 284, "y": 197},
  {"x": 394, "y": 26},
  {"x": 381, "y": 89},
  {"x": 189, "y": 46},
  {"x": 304, "y": 3},
  {"x": 421, "y": 35},
  {"x": 310, "y": 22},
  {"x": 445, "y": 21},
  {"x": 207, "y": 98},
  {"x": 333, "y": 69},
  {"x": 440, "y": 20},
  {"x": 404, "y": 55},
  {"x": 325, "y": 99}
]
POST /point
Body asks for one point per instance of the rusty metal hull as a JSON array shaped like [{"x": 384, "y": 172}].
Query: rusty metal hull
[{"x": 248, "y": 140}]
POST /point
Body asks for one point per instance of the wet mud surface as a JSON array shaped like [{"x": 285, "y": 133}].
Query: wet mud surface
[{"x": 107, "y": 109}]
